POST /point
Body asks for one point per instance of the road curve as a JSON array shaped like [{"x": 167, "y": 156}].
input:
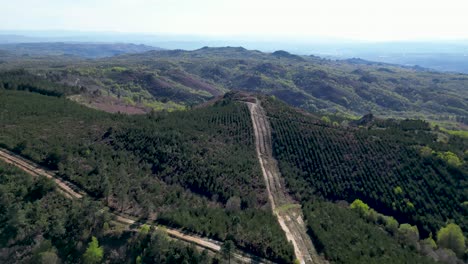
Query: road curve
[{"x": 72, "y": 191}]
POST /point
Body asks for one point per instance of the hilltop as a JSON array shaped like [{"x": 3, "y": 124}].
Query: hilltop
[{"x": 174, "y": 79}]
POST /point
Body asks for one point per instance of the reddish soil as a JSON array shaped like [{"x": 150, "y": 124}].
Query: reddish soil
[
  {"x": 193, "y": 82},
  {"x": 111, "y": 105}
]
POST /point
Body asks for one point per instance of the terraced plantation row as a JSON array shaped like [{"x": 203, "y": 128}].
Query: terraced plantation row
[{"x": 336, "y": 163}]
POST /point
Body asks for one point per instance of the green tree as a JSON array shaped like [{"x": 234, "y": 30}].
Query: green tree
[
  {"x": 391, "y": 224},
  {"x": 430, "y": 242},
  {"x": 426, "y": 151},
  {"x": 233, "y": 204},
  {"x": 326, "y": 119},
  {"x": 138, "y": 260},
  {"x": 360, "y": 206},
  {"x": 52, "y": 160},
  {"x": 94, "y": 252},
  {"x": 227, "y": 249},
  {"x": 451, "y": 237},
  {"x": 144, "y": 230},
  {"x": 408, "y": 234},
  {"x": 49, "y": 257},
  {"x": 451, "y": 158},
  {"x": 397, "y": 190}
]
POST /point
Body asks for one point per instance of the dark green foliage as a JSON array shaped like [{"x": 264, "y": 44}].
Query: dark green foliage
[
  {"x": 344, "y": 237},
  {"x": 346, "y": 164},
  {"x": 267, "y": 240},
  {"x": 24, "y": 81},
  {"x": 208, "y": 150},
  {"x": 43, "y": 226},
  {"x": 155, "y": 247},
  {"x": 158, "y": 164},
  {"x": 33, "y": 213},
  {"x": 227, "y": 249}
]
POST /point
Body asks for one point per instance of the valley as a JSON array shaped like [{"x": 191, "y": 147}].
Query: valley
[
  {"x": 179, "y": 79},
  {"x": 190, "y": 151},
  {"x": 233, "y": 132}
]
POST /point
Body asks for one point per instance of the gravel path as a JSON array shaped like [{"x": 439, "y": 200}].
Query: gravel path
[
  {"x": 71, "y": 191},
  {"x": 287, "y": 211}
]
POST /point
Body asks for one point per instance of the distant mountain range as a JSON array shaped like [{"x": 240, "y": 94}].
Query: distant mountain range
[
  {"x": 85, "y": 50},
  {"x": 449, "y": 56}
]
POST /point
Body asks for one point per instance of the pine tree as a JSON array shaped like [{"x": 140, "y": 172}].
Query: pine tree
[{"x": 94, "y": 252}]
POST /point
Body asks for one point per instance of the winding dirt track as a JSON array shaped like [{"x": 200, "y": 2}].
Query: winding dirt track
[
  {"x": 287, "y": 211},
  {"x": 71, "y": 191}
]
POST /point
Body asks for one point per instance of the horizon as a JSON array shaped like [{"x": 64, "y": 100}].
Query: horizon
[
  {"x": 362, "y": 21},
  {"x": 191, "y": 37}
]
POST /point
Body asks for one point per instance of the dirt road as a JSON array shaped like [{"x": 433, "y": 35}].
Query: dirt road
[
  {"x": 71, "y": 191},
  {"x": 287, "y": 211},
  {"x": 66, "y": 188}
]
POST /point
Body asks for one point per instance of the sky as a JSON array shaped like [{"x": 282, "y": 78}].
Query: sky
[{"x": 365, "y": 20}]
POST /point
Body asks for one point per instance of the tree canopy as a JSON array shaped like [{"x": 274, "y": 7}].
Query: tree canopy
[
  {"x": 94, "y": 252},
  {"x": 451, "y": 237}
]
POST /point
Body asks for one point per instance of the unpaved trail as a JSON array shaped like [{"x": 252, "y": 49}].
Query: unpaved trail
[
  {"x": 71, "y": 191},
  {"x": 65, "y": 188},
  {"x": 287, "y": 211}
]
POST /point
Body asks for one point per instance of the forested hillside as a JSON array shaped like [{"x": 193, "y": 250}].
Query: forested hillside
[
  {"x": 398, "y": 167},
  {"x": 198, "y": 170},
  {"x": 39, "y": 225},
  {"x": 171, "y": 79},
  {"x": 169, "y": 167},
  {"x": 345, "y": 237}
]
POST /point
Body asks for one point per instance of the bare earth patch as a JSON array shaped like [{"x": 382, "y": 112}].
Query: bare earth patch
[{"x": 109, "y": 104}]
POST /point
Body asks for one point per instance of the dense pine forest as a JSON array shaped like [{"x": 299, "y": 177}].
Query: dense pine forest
[
  {"x": 201, "y": 162},
  {"x": 399, "y": 167},
  {"x": 39, "y": 225},
  {"x": 347, "y": 238}
]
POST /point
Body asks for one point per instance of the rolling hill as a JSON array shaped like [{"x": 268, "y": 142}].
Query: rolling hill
[
  {"x": 267, "y": 170},
  {"x": 198, "y": 170},
  {"x": 83, "y": 50},
  {"x": 174, "y": 79}
]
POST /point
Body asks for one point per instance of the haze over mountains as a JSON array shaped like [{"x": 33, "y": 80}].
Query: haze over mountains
[
  {"x": 440, "y": 55},
  {"x": 234, "y": 132},
  {"x": 127, "y": 148}
]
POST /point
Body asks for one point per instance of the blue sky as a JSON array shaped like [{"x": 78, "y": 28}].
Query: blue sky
[{"x": 372, "y": 20}]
